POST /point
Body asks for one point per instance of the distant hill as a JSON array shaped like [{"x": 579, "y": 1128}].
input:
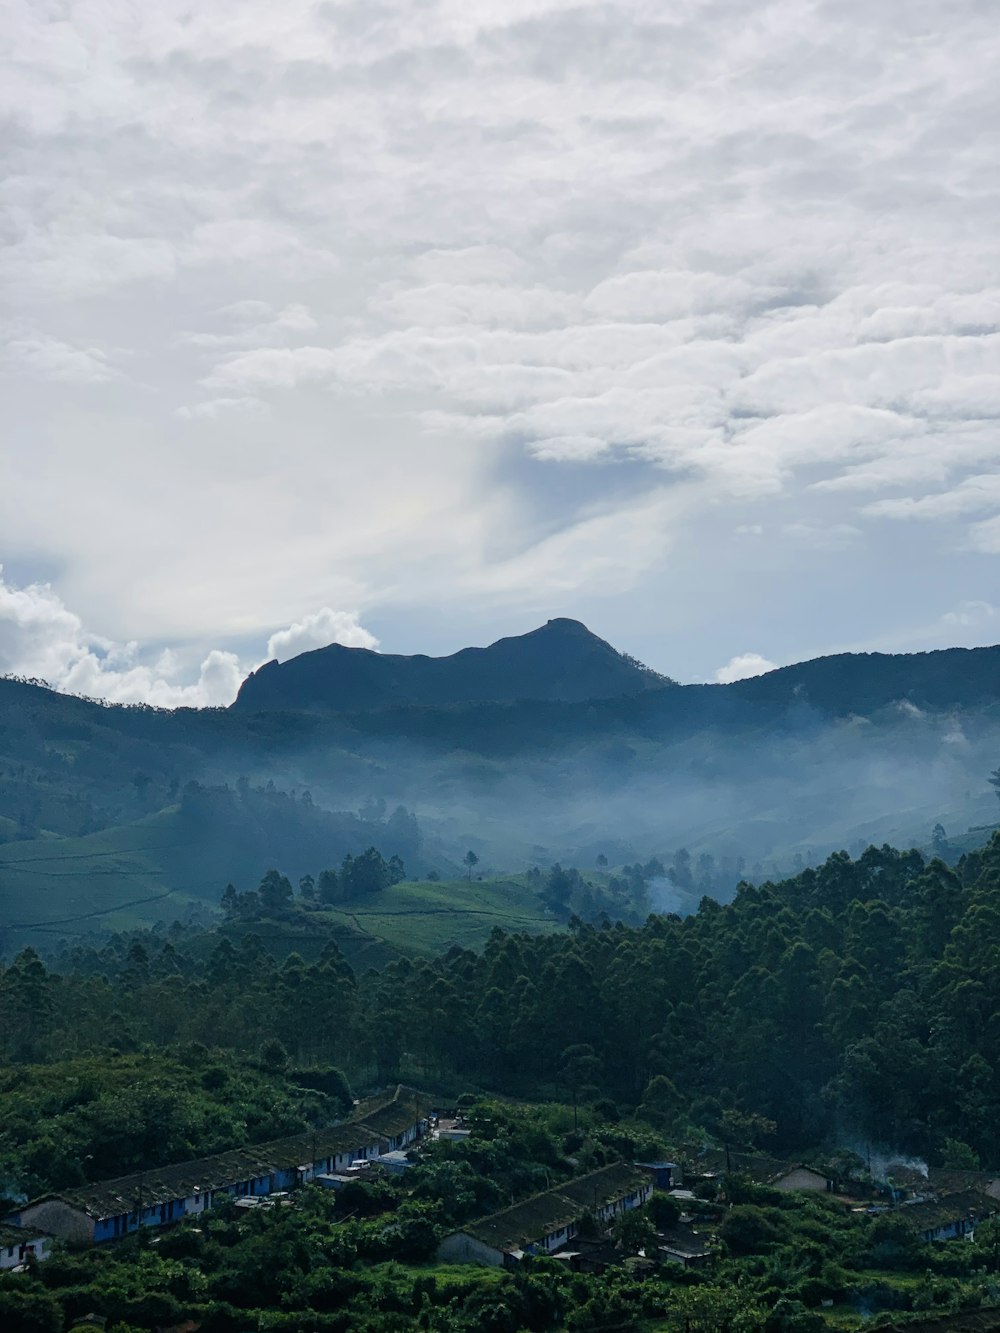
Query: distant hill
[
  {"x": 864, "y": 682},
  {"x": 561, "y": 661},
  {"x": 543, "y": 747}
]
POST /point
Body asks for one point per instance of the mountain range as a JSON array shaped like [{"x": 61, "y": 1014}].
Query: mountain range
[
  {"x": 542, "y": 747},
  {"x": 563, "y": 661}
]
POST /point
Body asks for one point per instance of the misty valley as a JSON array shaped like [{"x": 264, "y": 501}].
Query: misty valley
[{"x": 522, "y": 989}]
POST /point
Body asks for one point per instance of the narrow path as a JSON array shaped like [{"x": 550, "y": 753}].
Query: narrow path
[{"x": 88, "y": 916}]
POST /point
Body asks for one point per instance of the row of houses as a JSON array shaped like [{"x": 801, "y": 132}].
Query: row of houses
[
  {"x": 777, "y": 1172},
  {"x": 939, "y": 1203},
  {"x": 109, "y": 1209},
  {"x": 548, "y": 1221},
  {"x": 898, "y": 1179}
]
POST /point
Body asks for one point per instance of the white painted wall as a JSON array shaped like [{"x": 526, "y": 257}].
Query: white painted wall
[
  {"x": 11, "y": 1256},
  {"x": 462, "y": 1249}
]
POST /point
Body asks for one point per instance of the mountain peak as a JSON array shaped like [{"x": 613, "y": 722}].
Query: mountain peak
[
  {"x": 563, "y": 627},
  {"x": 561, "y": 660}
]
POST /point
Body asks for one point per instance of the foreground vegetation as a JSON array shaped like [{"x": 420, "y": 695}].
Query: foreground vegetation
[
  {"x": 854, "y": 997},
  {"x": 363, "y": 1258},
  {"x": 855, "y": 1001}
]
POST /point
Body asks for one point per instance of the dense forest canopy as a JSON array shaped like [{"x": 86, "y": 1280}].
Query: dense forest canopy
[{"x": 845, "y": 1002}]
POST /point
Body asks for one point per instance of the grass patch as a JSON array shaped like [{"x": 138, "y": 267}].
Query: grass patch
[
  {"x": 419, "y": 917},
  {"x": 119, "y": 877},
  {"x": 414, "y": 919}
]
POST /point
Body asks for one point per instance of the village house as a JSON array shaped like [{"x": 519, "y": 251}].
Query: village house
[
  {"x": 546, "y": 1222},
  {"x": 400, "y": 1122},
  {"x": 945, "y": 1180},
  {"x": 665, "y": 1175},
  {"x": 683, "y": 1245},
  {"x": 18, "y": 1245},
  {"x": 107, "y": 1210},
  {"x": 396, "y": 1163},
  {"x": 950, "y": 1217},
  {"x": 802, "y": 1178},
  {"x": 774, "y": 1172}
]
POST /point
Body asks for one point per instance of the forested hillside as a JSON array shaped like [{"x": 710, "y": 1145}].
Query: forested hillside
[{"x": 848, "y": 1001}]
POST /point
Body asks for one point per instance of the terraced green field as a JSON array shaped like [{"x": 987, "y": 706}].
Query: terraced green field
[
  {"x": 413, "y": 919},
  {"x": 116, "y": 876},
  {"x": 128, "y": 876},
  {"x": 425, "y": 918}
]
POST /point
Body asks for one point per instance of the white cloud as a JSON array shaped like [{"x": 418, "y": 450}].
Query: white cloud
[
  {"x": 971, "y": 615},
  {"x": 909, "y": 709},
  {"x": 607, "y": 551},
  {"x": 41, "y": 638},
  {"x": 574, "y": 448},
  {"x": 47, "y": 358},
  {"x": 742, "y": 666},
  {"x": 212, "y": 408},
  {"x": 459, "y": 250},
  {"x": 822, "y": 537},
  {"x": 318, "y": 630},
  {"x": 250, "y": 323},
  {"x": 985, "y": 536},
  {"x": 971, "y": 495},
  {"x": 660, "y": 297}
]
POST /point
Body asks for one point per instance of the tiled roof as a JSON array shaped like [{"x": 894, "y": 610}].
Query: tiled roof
[
  {"x": 18, "y": 1236},
  {"x": 182, "y": 1180},
  {"x": 760, "y": 1167},
  {"x": 405, "y": 1109},
  {"x": 947, "y": 1181},
  {"x": 949, "y": 1208},
  {"x": 537, "y": 1217}
]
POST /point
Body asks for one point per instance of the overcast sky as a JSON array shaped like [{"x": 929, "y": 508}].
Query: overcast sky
[{"x": 415, "y": 324}]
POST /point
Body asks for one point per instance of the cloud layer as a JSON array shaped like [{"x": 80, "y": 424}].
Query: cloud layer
[
  {"x": 742, "y": 666},
  {"x": 502, "y": 308},
  {"x": 42, "y": 639}
]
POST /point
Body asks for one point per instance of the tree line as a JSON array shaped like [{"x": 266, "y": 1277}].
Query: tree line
[
  {"x": 274, "y": 898},
  {"x": 859, "y": 995}
]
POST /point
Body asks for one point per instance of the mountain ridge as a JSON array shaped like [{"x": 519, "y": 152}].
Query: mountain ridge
[
  {"x": 563, "y": 662},
  {"x": 826, "y": 754},
  {"x": 560, "y": 661}
]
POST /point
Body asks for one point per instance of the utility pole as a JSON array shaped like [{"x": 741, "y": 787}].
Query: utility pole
[{"x": 138, "y": 1199}]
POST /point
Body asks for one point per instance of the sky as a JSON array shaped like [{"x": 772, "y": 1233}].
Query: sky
[{"x": 411, "y": 325}]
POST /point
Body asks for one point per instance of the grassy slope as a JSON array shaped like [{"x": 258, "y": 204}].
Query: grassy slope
[
  {"x": 426, "y": 918},
  {"x": 120, "y": 876},
  {"x": 123, "y": 877},
  {"x": 415, "y": 918}
]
